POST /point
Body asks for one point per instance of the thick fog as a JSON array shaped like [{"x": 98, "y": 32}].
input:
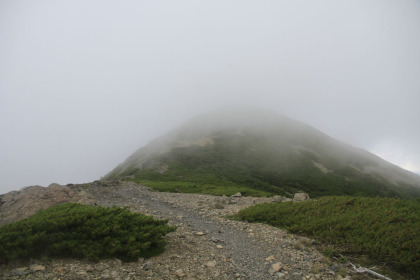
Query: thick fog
[{"x": 83, "y": 84}]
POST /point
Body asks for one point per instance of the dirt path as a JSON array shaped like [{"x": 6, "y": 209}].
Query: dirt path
[{"x": 205, "y": 245}]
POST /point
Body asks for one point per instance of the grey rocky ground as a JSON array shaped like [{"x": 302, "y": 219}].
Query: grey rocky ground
[{"x": 205, "y": 245}]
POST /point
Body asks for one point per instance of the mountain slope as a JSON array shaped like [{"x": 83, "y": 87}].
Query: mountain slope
[{"x": 264, "y": 153}]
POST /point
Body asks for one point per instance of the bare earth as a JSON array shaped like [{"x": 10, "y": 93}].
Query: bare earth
[{"x": 205, "y": 245}]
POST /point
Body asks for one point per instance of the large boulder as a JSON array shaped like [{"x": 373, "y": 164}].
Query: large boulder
[{"x": 300, "y": 197}]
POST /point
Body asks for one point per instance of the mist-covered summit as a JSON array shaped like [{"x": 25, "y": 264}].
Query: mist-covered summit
[{"x": 260, "y": 152}]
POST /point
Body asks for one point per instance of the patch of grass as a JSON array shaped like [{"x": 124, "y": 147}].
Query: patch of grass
[
  {"x": 81, "y": 231},
  {"x": 385, "y": 230},
  {"x": 191, "y": 187}
]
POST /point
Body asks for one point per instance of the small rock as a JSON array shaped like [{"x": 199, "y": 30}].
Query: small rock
[
  {"x": 210, "y": 264},
  {"x": 179, "y": 273},
  {"x": 60, "y": 270},
  {"x": 232, "y": 201},
  {"x": 200, "y": 233},
  {"x": 306, "y": 241},
  {"x": 37, "y": 268},
  {"x": 270, "y": 258},
  {"x": 218, "y": 206},
  {"x": 218, "y": 246},
  {"x": 236, "y": 195},
  {"x": 21, "y": 268},
  {"x": 148, "y": 265},
  {"x": 280, "y": 275},
  {"x": 215, "y": 240},
  {"x": 335, "y": 267},
  {"x": 275, "y": 267},
  {"x": 82, "y": 273},
  {"x": 89, "y": 268}
]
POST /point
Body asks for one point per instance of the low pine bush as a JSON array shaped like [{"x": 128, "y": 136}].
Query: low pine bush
[
  {"x": 386, "y": 230},
  {"x": 82, "y": 231}
]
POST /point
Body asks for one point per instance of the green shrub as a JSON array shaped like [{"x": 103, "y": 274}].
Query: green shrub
[
  {"x": 385, "y": 230},
  {"x": 82, "y": 231}
]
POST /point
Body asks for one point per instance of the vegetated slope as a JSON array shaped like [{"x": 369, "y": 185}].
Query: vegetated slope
[
  {"x": 383, "y": 229},
  {"x": 260, "y": 153}
]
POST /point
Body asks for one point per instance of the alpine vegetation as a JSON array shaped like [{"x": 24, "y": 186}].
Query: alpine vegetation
[
  {"x": 81, "y": 231},
  {"x": 383, "y": 230}
]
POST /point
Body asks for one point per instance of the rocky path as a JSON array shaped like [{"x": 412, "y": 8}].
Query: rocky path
[
  {"x": 205, "y": 245},
  {"x": 246, "y": 257}
]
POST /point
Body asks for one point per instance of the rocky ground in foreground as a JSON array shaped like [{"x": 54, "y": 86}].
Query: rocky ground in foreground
[{"x": 205, "y": 245}]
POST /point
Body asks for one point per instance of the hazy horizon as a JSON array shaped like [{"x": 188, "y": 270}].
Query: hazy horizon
[{"x": 83, "y": 84}]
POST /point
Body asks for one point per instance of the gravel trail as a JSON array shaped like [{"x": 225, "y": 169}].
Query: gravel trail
[
  {"x": 250, "y": 249},
  {"x": 245, "y": 255}
]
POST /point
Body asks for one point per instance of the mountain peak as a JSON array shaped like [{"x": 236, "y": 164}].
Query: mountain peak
[{"x": 264, "y": 152}]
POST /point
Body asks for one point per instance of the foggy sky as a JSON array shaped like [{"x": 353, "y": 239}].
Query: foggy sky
[{"x": 83, "y": 84}]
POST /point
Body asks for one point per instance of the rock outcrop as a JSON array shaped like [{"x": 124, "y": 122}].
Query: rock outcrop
[{"x": 27, "y": 201}]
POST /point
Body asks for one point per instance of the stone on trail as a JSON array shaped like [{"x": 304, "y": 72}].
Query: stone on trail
[
  {"x": 270, "y": 258},
  {"x": 148, "y": 265},
  {"x": 275, "y": 267},
  {"x": 179, "y": 273},
  {"x": 210, "y": 264},
  {"x": 280, "y": 275},
  {"x": 37, "y": 268}
]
